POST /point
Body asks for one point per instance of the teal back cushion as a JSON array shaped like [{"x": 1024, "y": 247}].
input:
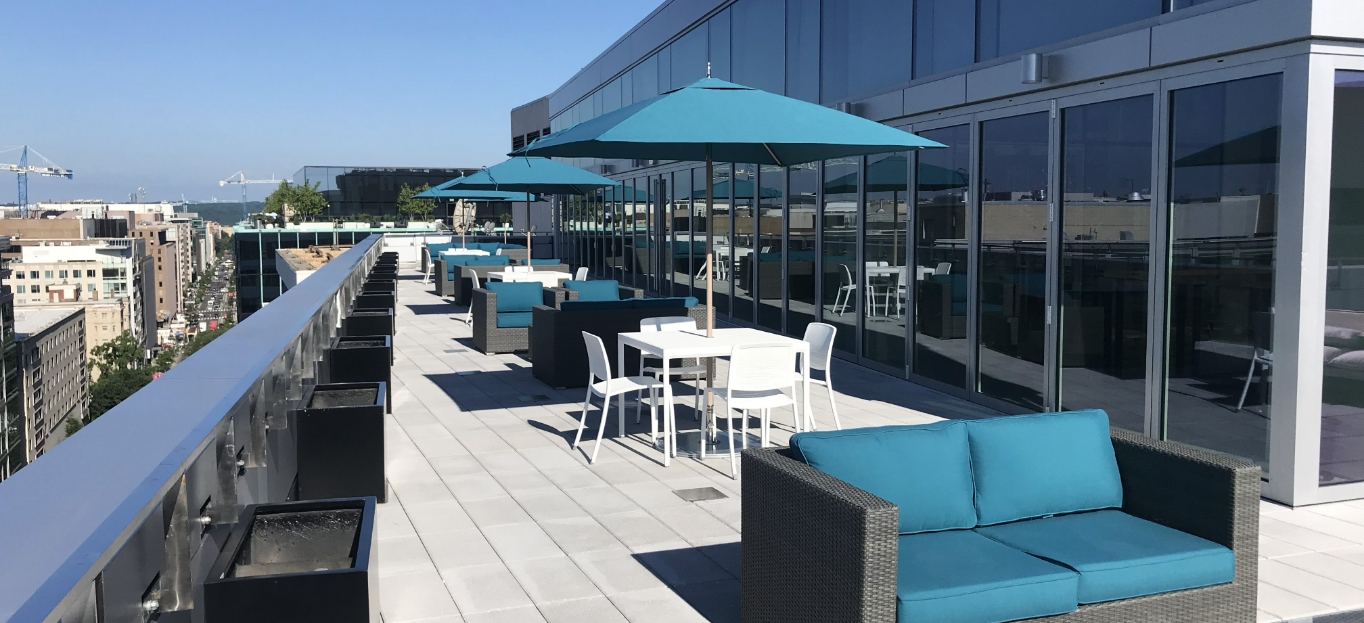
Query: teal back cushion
[
  {"x": 516, "y": 296},
  {"x": 545, "y": 262},
  {"x": 593, "y": 305},
  {"x": 602, "y": 290},
  {"x": 657, "y": 303},
  {"x": 925, "y": 470},
  {"x": 434, "y": 248},
  {"x": 1027, "y": 466}
]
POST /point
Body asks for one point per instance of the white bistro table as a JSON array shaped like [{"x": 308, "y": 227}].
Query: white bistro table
[
  {"x": 548, "y": 278},
  {"x": 669, "y": 345}
]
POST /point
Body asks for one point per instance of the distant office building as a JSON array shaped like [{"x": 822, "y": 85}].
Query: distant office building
[
  {"x": 171, "y": 246},
  {"x": 55, "y": 384},
  {"x": 370, "y": 190},
  {"x": 103, "y": 209},
  {"x": 64, "y": 228},
  {"x": 58, "y": 273},
  {"x": 12, "y": 439}
]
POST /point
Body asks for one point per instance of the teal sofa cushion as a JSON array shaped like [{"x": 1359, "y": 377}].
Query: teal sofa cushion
[
  {"x": 925, "y": 470},
  {"x": 601, "y": 290},
  {"x": 1119, "y": 556},
  {"x": 515, "y": 296},
  {"x": 959, "y": 576},
  {"x": 545, "y": 262},
  {"x": 513, "y": 320},
  {"x": 1027, "y": 466},
  {"x": 434, "y": 248}
]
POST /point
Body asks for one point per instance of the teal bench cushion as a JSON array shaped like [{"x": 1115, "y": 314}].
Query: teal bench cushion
[
  {"x": 516, "y": 296},
  {"x": 1027, "y": 466},
  {"x": 925, "y": 470},
  {"x": 601, "y": 290},
  {"x": 512, "y": 320},
  {"x": 959, "y": 576},
  {"x": 1120, "y": 556}
]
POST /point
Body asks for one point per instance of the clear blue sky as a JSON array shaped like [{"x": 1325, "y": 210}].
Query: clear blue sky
[{"x": 174, "y": 96}]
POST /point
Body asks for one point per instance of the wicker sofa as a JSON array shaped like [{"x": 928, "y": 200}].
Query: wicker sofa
[
  {"x": 817, "y": 548},
  {"x": 502, "y": 315},
  {"x": 454, "y": 279},
  {"x": 560, "y": 356}
]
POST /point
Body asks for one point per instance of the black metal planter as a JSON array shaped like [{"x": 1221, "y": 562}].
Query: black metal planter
[
  {"x": 383, "y": 274},
  {"x": 362, "y": 321},
  {"x": 375, "y": 300},
  {"x": 340, "y": 436},
  {"x": 379, "y": 284},
  {"x": 360, "y": 359},
  {"x": 297, "y": 562}
]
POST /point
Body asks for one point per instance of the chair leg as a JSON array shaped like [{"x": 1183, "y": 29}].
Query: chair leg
[
  {"x": 582, "y": 422},
  {"x": 733, "y": 463},
  {"x": 743, "y": 429},
  {"x": 829, "y": 387},
  {"x": 1250, "y": 376},
  {"x": 601, "y": 430},
  {"x": 639, "y": 395}
]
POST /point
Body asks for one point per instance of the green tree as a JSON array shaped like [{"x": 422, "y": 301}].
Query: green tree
[
  {"x": 119, "y": 353},
  {"x": 303, "y": 201},
  {"x": 415, "y": 209},
  {"x": 114, "y": 387}
]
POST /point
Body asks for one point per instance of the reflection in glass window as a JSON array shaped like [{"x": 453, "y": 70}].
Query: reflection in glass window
[
  {"x": 745, "y": 241},
  {"x": 863, "y": 46},
  {"x": 645, "y": 81},
  {"x": 802, "y": 49},
  {"x": 883, "y": 252},
  {"x": 628, "y": 258},
  {"x": 758, "y": 54},
  {"x": 800, "y": 257},
  {"x": 1012, "y": 26},
  {"x": 689, "y": 58},
  {"x": 1224, "y": 195},
  {"x": 1342, "y": 385},
  {"x": 940, "y": 256},
  {"x": 719, "y": 45},
  {"x": 767, "y": 256},
  {"x": 1013, "y": 260},
  {"x": 724, "y": 238},
  {"x": 684, "y": 243},
  {"x": 843, "y": 299},
  {"x": 1105, "y": 262},
  {"x": 944, "y": 36}
]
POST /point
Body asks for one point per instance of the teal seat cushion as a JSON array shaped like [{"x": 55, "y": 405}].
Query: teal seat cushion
[
  {"x": 1027, "y": 466},
  {"x": 925, "y": 470},
  {"x": 1119, "y": 556},
  {"x": 959, "y": 576},
  {"x": 516, "y": 296},
  {"x": 512, "y": 320},
  {"x": 600, "y": 290}
]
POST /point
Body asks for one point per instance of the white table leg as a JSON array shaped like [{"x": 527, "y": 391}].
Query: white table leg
[
  {"x": 620, "y": 374},
  {"x": 805, "y": 389}
]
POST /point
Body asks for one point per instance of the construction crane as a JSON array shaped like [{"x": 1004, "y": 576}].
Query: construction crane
[
  {"x": 240, "y": 178},
  {"x": 23, "y": 169}
]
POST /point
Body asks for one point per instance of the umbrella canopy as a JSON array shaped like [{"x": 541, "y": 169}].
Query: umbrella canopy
[
  {"x": 729, "y": 123},
  {"x": 472, "y": 195},
  {"x": 532, "y": 175}
]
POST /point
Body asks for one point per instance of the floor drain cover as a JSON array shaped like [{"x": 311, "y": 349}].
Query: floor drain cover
[
  {"x": 700, "y": 495},
  {"x": 458, "y": 350}
]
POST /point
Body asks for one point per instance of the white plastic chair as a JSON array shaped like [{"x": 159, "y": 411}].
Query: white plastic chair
[
  {"x": 846, "y": 291},
  {"x": 820, "y": 336},
  {"x": 581, "y": 274},
  {"x": 469, "y": 315},
  {"x": 698, "y": 371},
  {"x": 759, "y": 378},
  {"x": 600, "y": 368},
  {"x": 430, "y": 264}
]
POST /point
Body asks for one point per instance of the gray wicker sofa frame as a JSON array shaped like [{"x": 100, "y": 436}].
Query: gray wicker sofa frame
[
  {"x": 488, "y": 337},
  {"x": 818, "y": 549}
]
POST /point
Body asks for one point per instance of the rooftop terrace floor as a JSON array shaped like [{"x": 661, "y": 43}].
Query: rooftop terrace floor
[{"x": 493, "y": 516}]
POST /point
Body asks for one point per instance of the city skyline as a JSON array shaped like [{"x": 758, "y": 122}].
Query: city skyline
[{"x": 173, "y": 98}]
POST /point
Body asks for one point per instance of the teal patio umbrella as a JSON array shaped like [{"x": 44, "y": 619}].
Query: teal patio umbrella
[
  {"x": 522, "y": 174},
  {"x": 710, "y": 120},
  {"x": 443, "y": 191}
]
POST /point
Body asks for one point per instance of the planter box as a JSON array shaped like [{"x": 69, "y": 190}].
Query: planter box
[
  {"x": 375, "y": 300},
  {"x": 340, "y": 440},
  {"x": 298, "y": 562},
  {"x": 360, "y": 359},
  {"x": 380, "y": 284},
  {"x": 361, "y": 321}
]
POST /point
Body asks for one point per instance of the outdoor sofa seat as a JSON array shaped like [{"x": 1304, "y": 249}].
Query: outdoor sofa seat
[
  {"x": 1044, "y": 516},
  {"x": 451, "y": 281},
  {"x": 502, "y": 316}
]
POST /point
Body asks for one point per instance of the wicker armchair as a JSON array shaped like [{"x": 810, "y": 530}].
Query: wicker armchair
[
  {"x": 816, "y": 548},
  {"x": 488, "y": 337}
]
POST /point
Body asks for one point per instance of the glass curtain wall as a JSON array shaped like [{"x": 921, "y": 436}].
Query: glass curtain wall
[
  {"x": 884, "y": 251},
  {"x": 1105, "y": 258},
  {"x": 1224, "y": 190},
  {"x": 681, "y": 251},
  {"x": 1013, "y": 259},
  {"x": 644, "y": 223},
  {"x": 944, "y": 36},
  {"x": 1342, "y": 383},
  {"x": 842, "y": 295},
  {"x": 862, "y": 45},
  {"x": 744, "y": 242},
  {"x": 758, "y": 53},
  {"x": 800, "y": 257},
  {"x": 724, "y": 237},
  {"x": 941, "y": 218},
  {"x": 698, "y": 235},
  {"x": 767, "y": 258},
  {"x": 1012, "y": 26},
  {"x": 626, "y": 256}
]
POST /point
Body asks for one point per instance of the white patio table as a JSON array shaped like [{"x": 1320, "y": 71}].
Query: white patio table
[
  {"x": 669, "y": 345},
  {"x": 547, "y": 278}
]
